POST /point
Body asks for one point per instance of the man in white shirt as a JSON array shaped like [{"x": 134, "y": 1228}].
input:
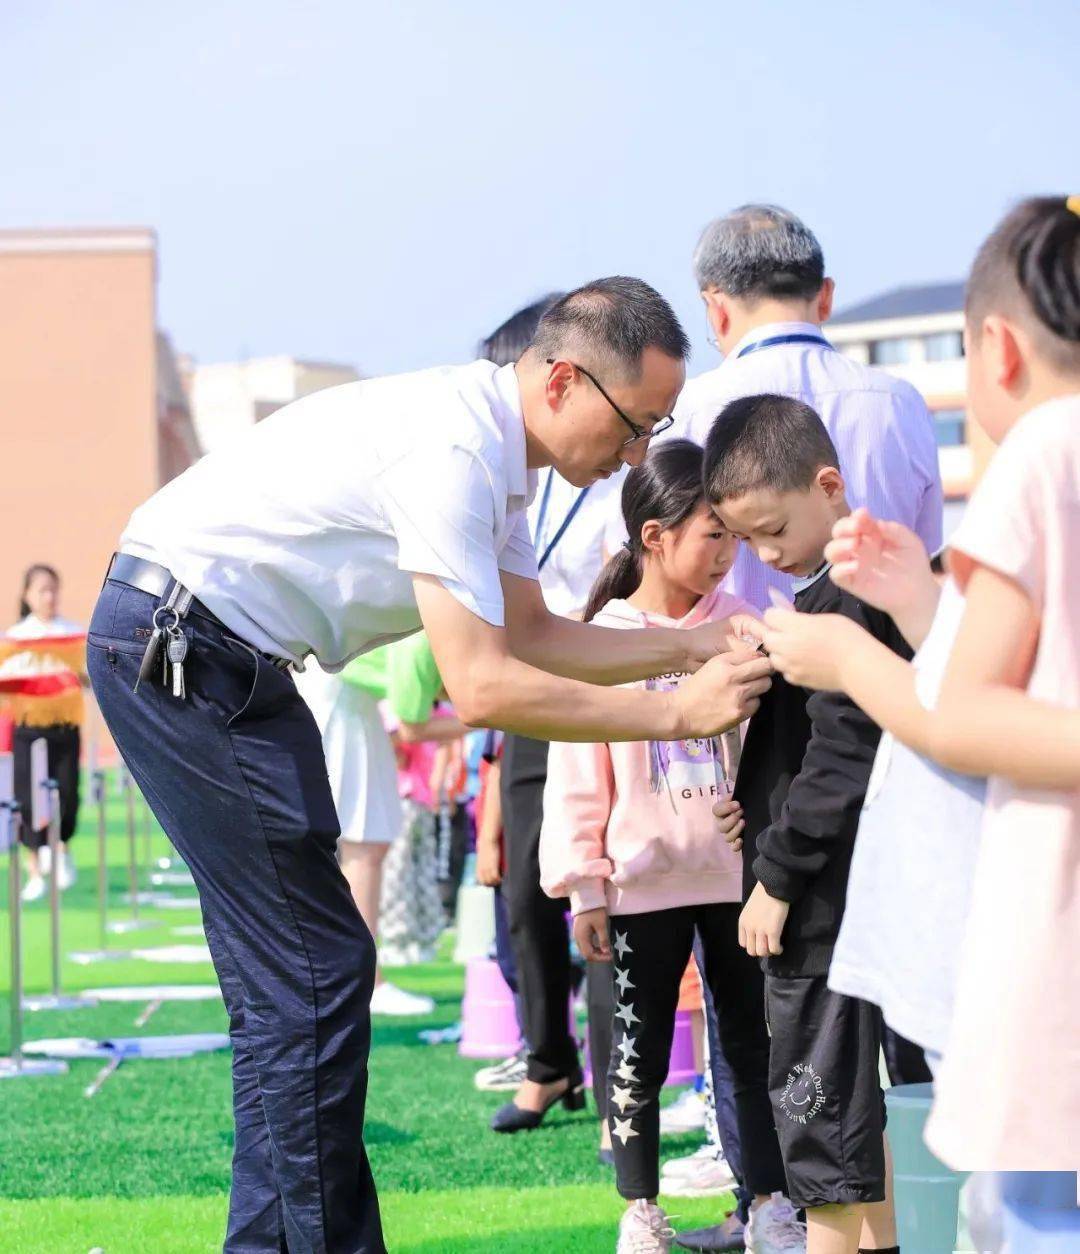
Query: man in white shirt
[
  {"x": 761, "y": 274},
  {"x": 345, "y": 520}
]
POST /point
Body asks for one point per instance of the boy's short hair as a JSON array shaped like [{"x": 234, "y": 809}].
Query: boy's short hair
[{"x": 767, "y": 441}]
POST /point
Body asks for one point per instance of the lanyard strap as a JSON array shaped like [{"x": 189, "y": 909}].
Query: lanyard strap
[
  {"x": 571, "y": 512},
  {"x": 774, "y": 340}
]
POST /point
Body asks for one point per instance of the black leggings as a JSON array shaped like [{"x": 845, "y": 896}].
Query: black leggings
[
  {"x": 64, "y": 742},
  {"x": 650, "y": 953}
]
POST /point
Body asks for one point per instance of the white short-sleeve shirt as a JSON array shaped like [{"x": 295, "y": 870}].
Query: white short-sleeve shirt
[{"x": 303, "y": 534}]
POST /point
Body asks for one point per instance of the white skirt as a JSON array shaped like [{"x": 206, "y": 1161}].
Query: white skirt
[{"x": 359, "y": 757}]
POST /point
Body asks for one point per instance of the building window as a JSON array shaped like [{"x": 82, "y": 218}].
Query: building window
[
  {"x": 944, "y": 346},
  {"x": 894, "y": 352},
  {"x": 950, "y": 426}
]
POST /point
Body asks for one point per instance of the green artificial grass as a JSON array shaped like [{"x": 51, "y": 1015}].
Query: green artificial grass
[{"x": 144, "y": 1165}]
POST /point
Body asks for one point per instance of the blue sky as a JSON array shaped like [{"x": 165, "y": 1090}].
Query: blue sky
[{"x": 383, "y": 183}]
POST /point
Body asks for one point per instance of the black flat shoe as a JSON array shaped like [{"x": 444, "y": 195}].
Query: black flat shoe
[
  {"x": 606, "y": 1158},
  {"x": 511, "y": 1118}
]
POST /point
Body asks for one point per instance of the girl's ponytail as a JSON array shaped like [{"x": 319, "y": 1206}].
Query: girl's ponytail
[{"x": 666, "y": 488}]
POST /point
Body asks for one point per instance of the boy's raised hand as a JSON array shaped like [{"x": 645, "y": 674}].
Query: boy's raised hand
[
  {"x": 761, "y": 924},
  {"x": 591, "y": 934}
]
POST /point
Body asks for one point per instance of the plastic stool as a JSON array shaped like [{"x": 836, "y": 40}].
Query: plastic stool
[
  {"x": 927, "y": 1192},
  {"x": 681, "y": 1066},
  {"x": 489, "y": 1026},
  {"x": 475, "y": 923}
]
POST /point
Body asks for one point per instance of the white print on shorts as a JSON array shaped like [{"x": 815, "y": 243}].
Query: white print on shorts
[{"x": 803, "y": 1095}]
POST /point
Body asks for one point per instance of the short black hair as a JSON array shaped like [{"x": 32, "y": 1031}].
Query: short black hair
[
  {"x": 766, "y": 441},
  {"x": 1030, "y": 265},
  {"x": 507, "y": 342},
  {"x": 610, "y": 323},
  {"x": 760, "y": 251}
]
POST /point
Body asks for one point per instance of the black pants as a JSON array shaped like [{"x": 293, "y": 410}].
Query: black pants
[
  {"x": 237, "y": 778},
  {"x": 650, "y": 953},
  {"x": 64, "y": 744},
  {"x": 538, "y": 930},
  {"x": 600, "y": 999}
]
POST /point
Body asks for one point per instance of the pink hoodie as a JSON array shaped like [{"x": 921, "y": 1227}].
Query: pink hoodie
[{"x": 630, "y": 826}]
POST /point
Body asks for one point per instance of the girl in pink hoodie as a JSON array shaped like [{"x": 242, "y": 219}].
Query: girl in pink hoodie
[{"x": 629, "y": 835}]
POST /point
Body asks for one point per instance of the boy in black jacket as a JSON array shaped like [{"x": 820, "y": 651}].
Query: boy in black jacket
[{"x": 772, "y": 474}]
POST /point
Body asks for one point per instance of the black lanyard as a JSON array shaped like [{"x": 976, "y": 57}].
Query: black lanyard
[
  {"x": 544, "y": 502},
  {"x": 773, "y": 340}
]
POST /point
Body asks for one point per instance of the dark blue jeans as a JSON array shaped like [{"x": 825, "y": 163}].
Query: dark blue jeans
[{"x": 236, "y": 776}]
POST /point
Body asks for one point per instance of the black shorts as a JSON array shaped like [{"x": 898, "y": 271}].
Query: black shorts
[{"x": 826, "y": 1096}]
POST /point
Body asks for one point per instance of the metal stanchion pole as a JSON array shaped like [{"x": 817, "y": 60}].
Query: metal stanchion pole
[
  {"x": 147, "y": 855},
  {"x": 16, "y": 1067},
  {"x": 56, "y": 999},
  {"x": 134, "y": 924},
  {"x": 98, "y": 785}
]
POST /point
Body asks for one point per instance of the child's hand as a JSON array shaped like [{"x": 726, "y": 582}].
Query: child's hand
[
  {"x": 591, "y": 934},
  {"x": 810, "y": 649},
  {"x": 729, "y": 816},
  {"x": 882, "y": 563},
  {"x": 723, "y": 693},
  {"x": 488, "y": 863},
  {"x": 761, "y": 924}
]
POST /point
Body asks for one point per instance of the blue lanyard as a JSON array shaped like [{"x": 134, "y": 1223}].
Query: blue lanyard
[
  {"x": 773, "y": 340},
  {"x": 544, "y": 501}
]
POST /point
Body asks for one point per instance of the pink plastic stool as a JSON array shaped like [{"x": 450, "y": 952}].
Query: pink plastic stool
[
  {"x": 681, "y": 1066},
  {"x": 489, "y": 1026}
]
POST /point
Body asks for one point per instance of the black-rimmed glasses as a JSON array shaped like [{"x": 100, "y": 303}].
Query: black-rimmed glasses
[{"x": 640, "y": 434}]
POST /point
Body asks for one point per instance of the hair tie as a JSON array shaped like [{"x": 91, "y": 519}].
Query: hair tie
[
  {"x": 628, "y": 546},
  {"x": 1072, "y": 203}
]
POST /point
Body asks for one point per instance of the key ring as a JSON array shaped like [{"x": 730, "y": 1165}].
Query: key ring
[{"x": 166, "y": 609}]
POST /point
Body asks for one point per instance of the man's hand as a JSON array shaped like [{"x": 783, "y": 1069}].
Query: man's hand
[
  {"x": 705, "y": 642},
  {"x": 810, "y": 649},
  {"x": 722, "y": 693},
  {"x": 730, "y": 821},
  {"x": 591, "y": 934},
  {"x": 488, "y": 863},
  {"x": 761, "y": 924}
]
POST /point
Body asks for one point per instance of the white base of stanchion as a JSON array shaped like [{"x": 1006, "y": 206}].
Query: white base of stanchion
[
  {"x": 167, "y": 953},
  {"x": 188, "y": 929},
  {"x": 158, "y": 992},
  {"x": 172, "y": 879},
  {"x": 122, "y": 926},
  {"x": 57, "y": 1001},
  {"x": 181, "y": 1046},
  {"x": 141, "y": 898},
  {"x": 27, "y": 1068},
  {"x": 165, "y": 901},
  {"x": 167, "y": 864}
]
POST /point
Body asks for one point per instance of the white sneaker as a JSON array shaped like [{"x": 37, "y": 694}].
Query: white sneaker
[
  {"x": 44, "y": 859},
  {"x": 708, "y": 1177},
  {"x": 34, "y": 889},
  {"x": 685, "y": 1114},
  {"x": 388, "y": 999},
  {"x": 774, "y": 1228},
  {"x": 68, "y": 874},
  {"x": 503, "y": 1077},
  {"x": 644, "y": 1229},
  {"x": 685, "y": 1166}
]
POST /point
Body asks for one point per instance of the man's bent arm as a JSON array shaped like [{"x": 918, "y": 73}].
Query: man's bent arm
[{"x": 490, "y": 687}]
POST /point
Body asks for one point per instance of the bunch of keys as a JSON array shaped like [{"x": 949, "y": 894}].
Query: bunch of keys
[
  {"x": 176, "y": 645},
  {"x": 176, "y": 648}
]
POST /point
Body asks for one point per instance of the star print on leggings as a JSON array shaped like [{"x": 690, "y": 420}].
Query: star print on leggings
[
  {"x": 625, "y": 1072},
  {"x": 622, "y": 1098},
  {"x": 622, "y": 1128},
  {"x": 623, "y": 981},
  {"x": 626, "y": 1048},
  {"x": 626, "y": 1013},
  {"x": 621, "y": 947}
]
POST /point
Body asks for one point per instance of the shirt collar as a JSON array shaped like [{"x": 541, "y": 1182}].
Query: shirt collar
[
  {"x": 520, "y": 481},
  {"x": 770, "y": 329},
  {"x": 808, "y": 581}
]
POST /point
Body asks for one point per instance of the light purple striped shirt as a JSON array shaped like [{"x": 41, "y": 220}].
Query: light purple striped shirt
[{"x": 880, "y": 425}]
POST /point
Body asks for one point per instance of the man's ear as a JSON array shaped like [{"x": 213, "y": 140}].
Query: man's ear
[
  {"x": 559, "y": 377},
  {"x": 717, "y": 311},
  {"x": 825, "y": 300}
]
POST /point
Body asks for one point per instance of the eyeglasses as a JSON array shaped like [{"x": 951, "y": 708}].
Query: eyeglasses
[{"x": 640, "y": 434}]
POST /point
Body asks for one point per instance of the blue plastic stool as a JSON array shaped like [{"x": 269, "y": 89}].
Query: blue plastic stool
[
  {"x": 927, "y": 1192},
  {"x": 1041, "y": 1212}
]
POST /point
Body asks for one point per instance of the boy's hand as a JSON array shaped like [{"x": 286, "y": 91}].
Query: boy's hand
[
  {"x": 810, "y": 649},
  {"x": 761, "y": 924},
  {"x": 488, "y": 863},
  {"x": 729, "y": 816},
  {"x": 591, "y": 934}
]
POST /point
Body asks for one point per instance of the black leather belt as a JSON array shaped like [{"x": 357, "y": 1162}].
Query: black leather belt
[{"x": 147, "y": 576}]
